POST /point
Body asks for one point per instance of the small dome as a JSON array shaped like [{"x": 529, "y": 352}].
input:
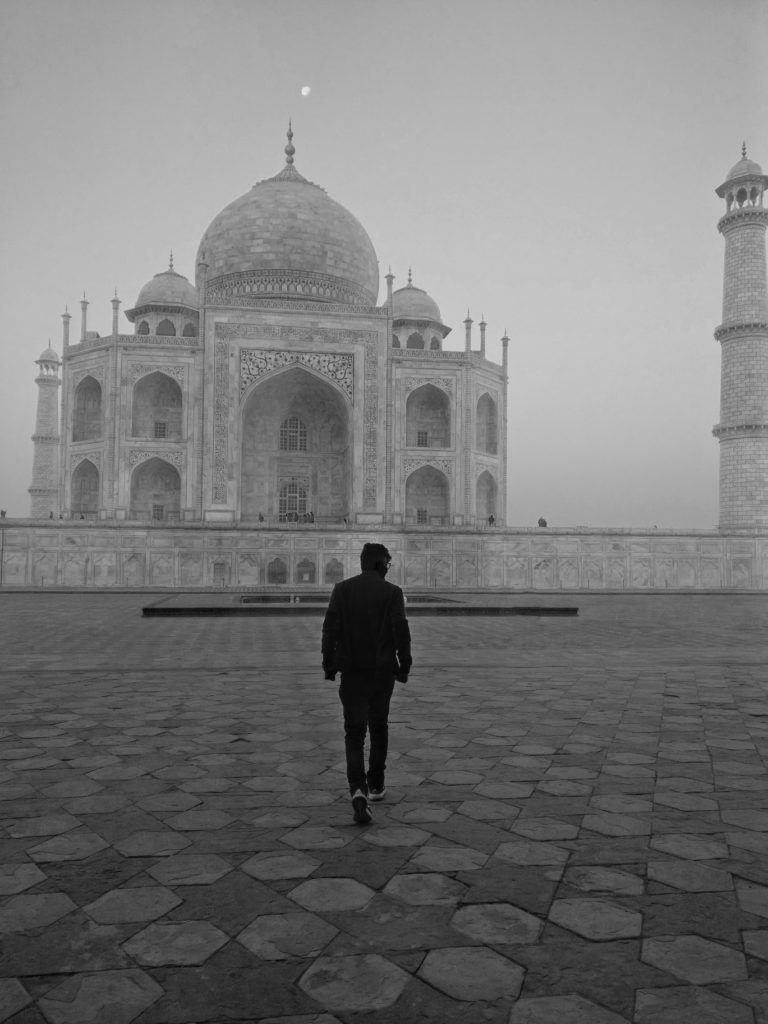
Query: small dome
[
  {"x": 168, "y": 289},
  {"x": 49, "y": 355},
  {"x": 744, "y": 168},
  {"x": 411, "y": 303}
]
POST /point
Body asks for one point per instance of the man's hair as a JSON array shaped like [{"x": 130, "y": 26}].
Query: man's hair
[{"x": 372, "y": 555}]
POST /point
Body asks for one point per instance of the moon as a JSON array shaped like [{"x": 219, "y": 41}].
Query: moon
[{"x": 305, "y": 90}]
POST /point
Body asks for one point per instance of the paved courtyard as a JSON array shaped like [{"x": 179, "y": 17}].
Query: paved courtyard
[{"x": 576, "y": 828}]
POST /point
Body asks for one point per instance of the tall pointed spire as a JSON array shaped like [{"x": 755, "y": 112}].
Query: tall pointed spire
[
  {"x": 290, "y": 149},
  {"x": 170, "y": 262},
  {"x": 744, "y": 150}
]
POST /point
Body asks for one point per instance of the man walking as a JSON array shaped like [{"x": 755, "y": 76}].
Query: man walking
[{"x": 366, "y": 638}]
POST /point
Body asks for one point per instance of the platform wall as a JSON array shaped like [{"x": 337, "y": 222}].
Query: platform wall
[{"x": 112, "y": 555}]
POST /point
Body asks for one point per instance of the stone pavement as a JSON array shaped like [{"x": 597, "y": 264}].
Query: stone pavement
[{"x": 576, "y": 829}]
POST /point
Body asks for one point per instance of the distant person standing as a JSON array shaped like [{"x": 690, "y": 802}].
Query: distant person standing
[
  {"x": 542, "y": 521},
  {"x": 367, "y": 639}
]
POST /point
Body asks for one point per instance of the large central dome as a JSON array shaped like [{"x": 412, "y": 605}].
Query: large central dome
[{"x": 287, "y": 238}]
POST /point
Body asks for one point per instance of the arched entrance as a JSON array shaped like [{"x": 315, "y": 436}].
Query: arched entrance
[
  {"x": 296, "y": 450},
  {"x": 487, "y": 425},
  {"x": 86, "y": 413},
  {"x": 155, "y": 491},
  {"x": 157, "y": 406},
  {"x": 485, "y": 496},
  {"x": 427, "y": 498},
  {"x": 84, "y": 499},
  {"x": 428, "y": 418}
]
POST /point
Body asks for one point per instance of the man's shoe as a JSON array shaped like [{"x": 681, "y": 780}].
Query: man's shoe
[
  {"x": 377, "y": 794},
  {"x": 360, "y": 810}
]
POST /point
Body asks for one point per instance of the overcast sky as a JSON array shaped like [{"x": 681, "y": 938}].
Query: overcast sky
[{"x": 549, "y": 163}]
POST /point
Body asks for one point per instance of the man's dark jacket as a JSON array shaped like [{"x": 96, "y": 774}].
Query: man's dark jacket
[{"x": 365, "y": 630}]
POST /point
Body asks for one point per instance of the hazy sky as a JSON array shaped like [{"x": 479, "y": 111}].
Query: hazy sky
[{"x": 549, "y": 163}]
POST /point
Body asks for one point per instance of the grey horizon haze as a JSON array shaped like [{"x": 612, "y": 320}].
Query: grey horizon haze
[{"x": 549, "y": 164}]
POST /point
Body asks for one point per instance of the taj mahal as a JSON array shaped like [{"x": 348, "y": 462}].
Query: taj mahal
[{"x": 254, "y": 427}]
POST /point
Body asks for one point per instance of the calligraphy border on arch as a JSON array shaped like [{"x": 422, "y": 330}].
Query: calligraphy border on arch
[{"x": 338, "y": 367}]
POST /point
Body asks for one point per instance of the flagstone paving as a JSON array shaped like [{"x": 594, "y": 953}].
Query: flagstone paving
[{"x": 575, "y": 829}]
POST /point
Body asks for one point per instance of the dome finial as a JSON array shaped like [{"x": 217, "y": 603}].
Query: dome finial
[
  {"x": 170, "y": 261},
  {"x": 744, "y": 150},
  {"x": 289, "y": 149},
  {"x": 410, "y": 278}
]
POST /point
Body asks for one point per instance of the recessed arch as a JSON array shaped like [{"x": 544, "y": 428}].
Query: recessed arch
[
  {"x": 428, "y": 418},
  {"x": 143, "y": 327},
  {"x": 87, "y": 421},
  {"x": 435, "y": 343},
  {"x": 487, "y": 425},
  {"x": 155, "y": 491},
  {"x": 296, "y": 448},
  {"x": 427, "y": 497},
  {"x": 190, "y": 331},
  {"x": 415, "y": 340},
  {"x": 84, "y": 489},
  {"x": 157, "y": 407},
  {"x": 166, "y": 328},
  {"x": 486, "y": 496}
]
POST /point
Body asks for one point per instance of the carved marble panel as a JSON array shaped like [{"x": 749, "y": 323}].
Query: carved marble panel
[
  {"x": 447, "y": 384},
  {"x": 220, "y": 422},
  {"x": 133, "y": 568},
  {"x": 467, "y": 569},
  {"x": 161, "y": 570},
  {"x": 517, "y": 572},
  {"x": 175, "y": 370},
  {"x": 415, "y": 570},
  {"x": 543, "y": 573},
  {"x": 138, "y": 455},
  {"x": 568, "y": 572},
  {"x": 97, "y": 372},
  {"x": 338, "y": 367},
  {"x": 687, "y": 572},
  {"x": 711, "y": 575},
  {"x": 640, "y": 573},
  {"x": 76, "y": 459},
  {"x": 664, "y": 573},
  {"x": 191, "y": 569},
  {"x": 616, "y": 573},
  {"x": 411, "y": 464}
]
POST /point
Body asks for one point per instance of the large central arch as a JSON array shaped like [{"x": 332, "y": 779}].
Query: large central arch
[{"x": 296, "y": 440}]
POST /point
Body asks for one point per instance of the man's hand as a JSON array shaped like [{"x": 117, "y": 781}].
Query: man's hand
[
  {"x": 403, "y": 668},
  {"x": 329, "y": 671}
]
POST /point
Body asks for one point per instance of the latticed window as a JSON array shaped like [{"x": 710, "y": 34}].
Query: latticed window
[
  {"x": 293, "y": 500},
  {"x": 158, "y": 512},
  {"x": 293, "y": 435},
  {"x": 422, "y": 439},
  {"x": 161, "y": 428},
  {"x": 421, "y": 515}
]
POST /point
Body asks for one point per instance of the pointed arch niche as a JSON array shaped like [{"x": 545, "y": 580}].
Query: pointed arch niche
[
  {"x": 157, "y": 407},
  {"x": 486, "y": 494},
  {"x": 427, "y": 498},
  {"x": 84, "y": 491},
  {"x": 487, "y": 425},
  {"x": 296, "y": 448},
  {"x": 87, "y": 420},
  {"x": 428, "y": 418},
  {"x": 155, "y": 491}
]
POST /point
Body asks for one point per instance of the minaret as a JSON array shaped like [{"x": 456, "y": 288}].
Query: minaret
[
  {"x": 743, "y": 336},
  {"x": 44, "y": 492},
  {"x": 468, "y": 321}
]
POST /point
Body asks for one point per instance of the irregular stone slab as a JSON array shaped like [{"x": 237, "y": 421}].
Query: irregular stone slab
[
  {"x": 179, "y": 772},
  {"x": 152, "y": 844},
  {"x": 13, "y": 997},
  {"x": 456, "y": 778},
  {"x": 532, "y": 853},
  {"x": 190, "y": 869},
  {"x": 616, "y": 824},
  {"x": 694, "y": 959},
  {"x": 689, "y": 876},
  {"x": 685, "y": 801},
  {"x": 690, "y": 846},
  {"x": 542, "y": 829},
  {"x": 396, "y": 836},
  {"x": 449, "y": 858},
  {"x": 488, "y": 810},
  {"x": 497, "y": 924},
  {"x": 272, "y": 783},
  {"x": 73, "y": 846},
  {"x": 605, "y": 880},
  {"x": 21, "y": 913},
  {"x": 753, "y": 818},
  {"x": 318, "y": 837},
  {"x": 186, "y": 943},
  {"x": 562, "y": 1010},
  {"x": 756, "y": 943},
  {"x": 598, "y": 920},
  {"x": 199, "y": 820},
  {"x": 752, "y": 897},
  {"x": 114, "y": 996},
  {"x": 118, "y": 772},
  {"x": 271, "y": 866},
  {"x": 45, "y": 825},
  {"x": 505, "y": 790},
  {"x": 18, "y": 877},
  {"x": 423, "y": 890},
  {"x": 140, "y": 904},
  {"x": 471, "y": 972},
  {"x": 72, "y": 788},
  {"x": 421, "y": 813},
  {"x": 368, "y": 982},
  {"x": 282, "y": 936},
  {"x": 100, "y": 803},
  {"x": 332, "y": 894},
  {"x": 622, "y": 804},
  {"x": 176, "y": 800},
  {"x": 275, "y": 819},
  {"x": 686, "y": 1005}
]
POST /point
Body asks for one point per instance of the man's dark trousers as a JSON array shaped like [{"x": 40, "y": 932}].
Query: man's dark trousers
[{"x": 365, "y": 700}]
